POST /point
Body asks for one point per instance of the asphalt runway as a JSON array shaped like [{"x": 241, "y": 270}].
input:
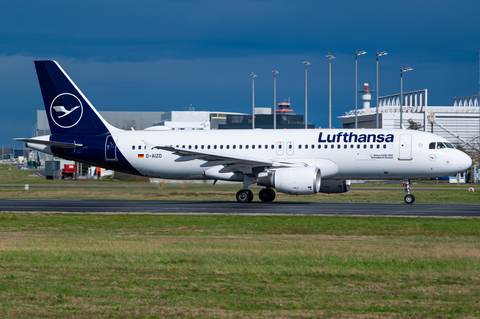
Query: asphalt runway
[{"x": 231, "y": 207}]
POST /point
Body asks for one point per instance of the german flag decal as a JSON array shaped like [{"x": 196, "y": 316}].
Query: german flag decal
[{"x": 141, "y": 156}]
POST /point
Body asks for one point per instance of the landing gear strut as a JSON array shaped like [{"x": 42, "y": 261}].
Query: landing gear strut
[
  {"x": 409, "y": 198},
  {"x": 244, "y": 196},
  {"x": 266, "y": 195}
]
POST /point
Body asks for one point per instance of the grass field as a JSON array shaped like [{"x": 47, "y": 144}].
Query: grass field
[{"x": 56, "y": 265}]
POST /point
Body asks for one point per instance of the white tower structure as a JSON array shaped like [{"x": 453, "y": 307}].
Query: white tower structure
[{"x": 366, "y": 96}]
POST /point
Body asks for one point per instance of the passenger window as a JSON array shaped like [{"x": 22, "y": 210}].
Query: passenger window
[
  {"x": 253, "y": 146},
  {"x": 133, "y": 147},
  {"x": 279, "y": 146},
  {"x": 306, "y": 146},
  {"x": 351, "y": 145},
  {"x": 371, "y": 145},
  {"x": 378, "y": 145},
  {"x": 246, "y": 146},
  {"x": 432, "y": 146},
  {"x": 260, "y": 146},
  {"x": 365, "y": 146},
  {"x": 189, "y": 147},
  {"x": 234, "y": 146},
  {"x": 183, "y": 146},
  {"x": 290, "y": 146},
  {"x": 338, "y": 146},
  {"x": 332, "y": 146},
  {"x": 326, "y": 146},
  {"x": 313, "y": 146},
  {"x": 196, "y": 147},
  {"x": 214, "y": 147},
  {"x": 240, "y": 146},
  {"x": 299, "y": 146},
  {"x": 345, "y": 146},
  {"x": 228, "y": 147},
  {"x": 139, "y": 147},
  {"x": 384, "y": 145},
  {"x": 358, "y": 145},
  {"x": 319, "y": 146},
  {"x": 221, "y": 147},
  {"x": 273, "y": 146},
  {"x": 208, "y": 146}
]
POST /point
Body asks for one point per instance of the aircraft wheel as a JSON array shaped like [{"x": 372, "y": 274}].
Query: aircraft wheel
[
  {"x": 244, "y": 196},
  {"x": 266, "y": 195},
  {"x": 409, "y": 199}
]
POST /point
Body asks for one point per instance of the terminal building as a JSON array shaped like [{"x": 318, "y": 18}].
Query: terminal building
[{"x": 459, "y": 123}]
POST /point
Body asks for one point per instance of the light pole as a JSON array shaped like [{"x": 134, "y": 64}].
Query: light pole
[
  {"x": 306, "y": 63},
  {"x": 378, "y": 54},
  {"x": 275, "y": 72},
  {"x": 356, "y": 93},
  {"x": 330, "y": 57},
  {"x": 253, "y": 75},
  {"x": 402, "y": 69}
]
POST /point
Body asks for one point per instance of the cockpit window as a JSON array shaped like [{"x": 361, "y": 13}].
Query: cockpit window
[
  {"x": 432, "y": 146},
  {"x": 440, "y": 145},
  {"x": 449, "y": 145}
]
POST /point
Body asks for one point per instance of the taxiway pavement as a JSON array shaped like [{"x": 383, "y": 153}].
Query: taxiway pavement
[{"x": 231, "y": 207}]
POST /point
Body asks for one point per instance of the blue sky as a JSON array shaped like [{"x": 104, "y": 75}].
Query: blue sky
[{"x": 166, "y": 55}]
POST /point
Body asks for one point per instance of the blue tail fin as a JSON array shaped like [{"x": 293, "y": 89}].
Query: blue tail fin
[{"x": 68, "y": 110}]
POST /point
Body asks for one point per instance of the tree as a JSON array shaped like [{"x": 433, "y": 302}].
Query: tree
[{"x": 416, "y": 126}]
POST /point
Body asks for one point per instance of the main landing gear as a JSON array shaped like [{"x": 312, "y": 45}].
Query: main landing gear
[
  {"x": 244, "y": 196},
  {"x": 409, "y": 198},
  {"x": 266, "y": 195}
]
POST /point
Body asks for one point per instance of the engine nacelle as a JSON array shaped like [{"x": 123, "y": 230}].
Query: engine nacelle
[
  {"x": 334, "y": 186},
  {"x": 295, "y": 181}
]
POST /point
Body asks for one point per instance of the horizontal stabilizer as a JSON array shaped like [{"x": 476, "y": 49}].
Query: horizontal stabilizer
[{"x": 48, "y": 143}]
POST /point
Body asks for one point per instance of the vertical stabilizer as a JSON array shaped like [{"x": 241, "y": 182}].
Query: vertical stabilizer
[{"x": 68, "y": 110}]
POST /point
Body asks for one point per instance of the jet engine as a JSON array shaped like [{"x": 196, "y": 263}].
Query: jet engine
[
  {"x": 334, "y": 186},
  {"x": 295, "y": 181}
]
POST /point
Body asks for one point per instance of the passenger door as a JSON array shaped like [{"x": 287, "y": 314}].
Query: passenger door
[{"x": 405, "y": 153}]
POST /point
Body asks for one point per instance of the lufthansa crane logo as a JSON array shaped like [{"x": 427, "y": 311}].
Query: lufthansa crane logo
[{"x": 66, "y": 110}]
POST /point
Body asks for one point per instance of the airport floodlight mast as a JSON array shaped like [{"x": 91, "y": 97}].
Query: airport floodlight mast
[
  {"x": 402, "y": 69},
  {"x": 275, "y": 72},
  {"x": 306, "y": 63},
  {"x": 356, "y": 92},
  {"x": 253, "y": 75},
  {"x": 330, "y": 57},
  {"x": 376, "y": 104}
]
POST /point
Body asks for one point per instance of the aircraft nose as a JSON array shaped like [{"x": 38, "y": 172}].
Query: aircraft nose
[{"x": 464, "y": 161}]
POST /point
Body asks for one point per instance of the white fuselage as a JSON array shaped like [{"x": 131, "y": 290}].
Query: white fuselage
[{"x": 339, "y": 154}]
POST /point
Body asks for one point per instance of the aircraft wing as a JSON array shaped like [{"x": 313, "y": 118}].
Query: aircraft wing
[
  {"x": 48, "y": 143},
  {"x": 234, "y": 162}
]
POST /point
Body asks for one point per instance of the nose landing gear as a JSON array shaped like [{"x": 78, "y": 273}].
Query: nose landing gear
[{"x": 409, "y": 198}]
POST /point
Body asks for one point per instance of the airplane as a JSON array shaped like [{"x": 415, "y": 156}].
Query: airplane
[{"x": 292, "y": 161}]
